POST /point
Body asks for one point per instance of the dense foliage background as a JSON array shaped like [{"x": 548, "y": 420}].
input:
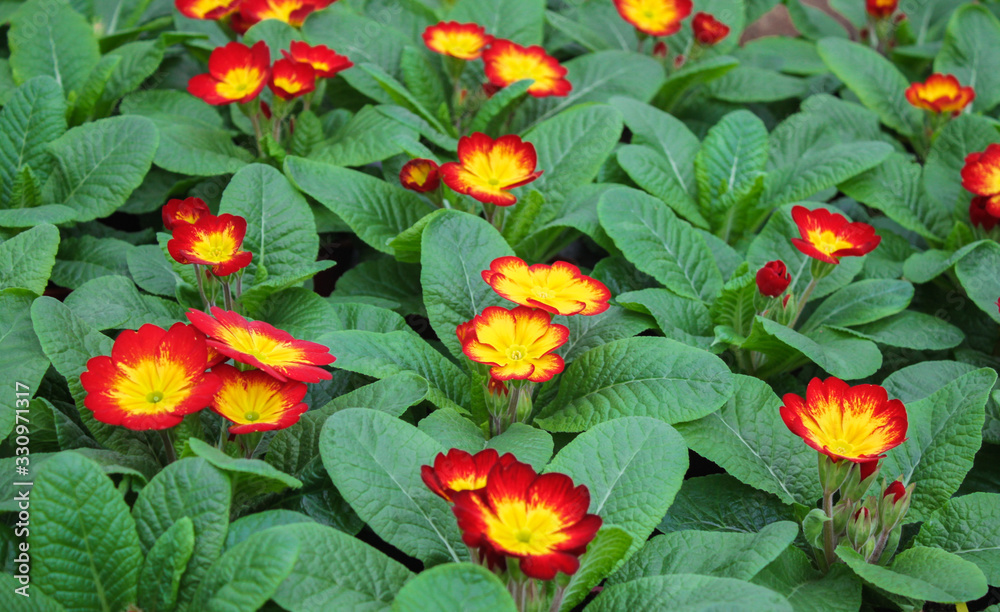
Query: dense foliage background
[{"x": 669, "y": 173}]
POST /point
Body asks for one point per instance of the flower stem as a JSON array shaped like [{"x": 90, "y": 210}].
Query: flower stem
[
  {"x": 168, "y": 445},
  {"x": 828, "y": 538},
  {"x": 201, "y": 286},
  {"x": 227, "y": 295},
  {"x": 879, "y": 546},
  {"x": 802, "y": 302}
]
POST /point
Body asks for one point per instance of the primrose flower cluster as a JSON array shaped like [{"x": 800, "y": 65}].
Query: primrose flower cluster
[
  {"x": 527, "y": 527},
  {"x": 852, "y": 428},
  {"x": 155, "y": 377},
  {"x": 239, "y": 15},
  {"x": 516, "y": 346},
  {"x": 661, "y": 18}
]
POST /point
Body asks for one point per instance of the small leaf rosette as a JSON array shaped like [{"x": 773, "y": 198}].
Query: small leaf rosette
[
  {"x": 540, "y": 520},
  {"x": 654, "y": 17},
  {"x": 486, "y": 169},
  {"x": 212, "y": 241},
  {"x": 256, "y": 401},
  {"x": 827, "y": 236},
  {"x": 508, "y": 62},
  {"x": 465, "y": 41},
  {"x": 517, "y": 343},
  {"x": 461, "y": 471},
  {"x": 940, "y": 93},
  {"x": 558, "y": 289},
  {"x": 263, "y": 346},
  {"x": 236, "y": 73},
  {"x": 151, "y": 380},
  {"x": 859, "y": 424}
]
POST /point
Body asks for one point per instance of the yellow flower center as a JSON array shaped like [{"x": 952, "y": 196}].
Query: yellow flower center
[
  {"x": 525, "y": 530},
  {"x": 267, "y": 350},
  {"x": 152, "y": 386},
  {"x": 251, "y": 416},
  {"x": 154, "y": 396},
  {"x": 541, "y": 293},
  {"x": 239, "y": 82},
  {"x": 828, "y": 242},
  {"x": 517, "y": 352},
  {"x": 251, "y": 401}
]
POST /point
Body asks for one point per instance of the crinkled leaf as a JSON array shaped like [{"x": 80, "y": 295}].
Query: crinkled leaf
[
  {"x": 921, "y": 573},
  {"x": 454, "y": 586},
  {"x": 688, "y": 592},
  {"x": 26, "y": 260},
  {"x": 248, "y": 574},
  {"x": 165, "y": 564}
]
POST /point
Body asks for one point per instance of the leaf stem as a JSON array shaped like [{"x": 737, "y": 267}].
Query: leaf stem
[{"x": 168, "y": 445}]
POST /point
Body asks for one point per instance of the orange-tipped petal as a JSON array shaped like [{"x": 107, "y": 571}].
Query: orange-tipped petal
[
  {"x": 508, "y": 62},
  {"x": 465, "y": 41},
  {"x": 487, "y": 168}
]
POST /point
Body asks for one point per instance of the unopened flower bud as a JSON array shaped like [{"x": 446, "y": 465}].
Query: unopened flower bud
[
  {"x": 894, "y": 503},
  {"x": 773, "y": 278},
  {"x": 860, "y": 479},
  {"x": 860, "y": 528},
  {"x": 660, "y": 50},
  {"x": 832, "y": 473}
]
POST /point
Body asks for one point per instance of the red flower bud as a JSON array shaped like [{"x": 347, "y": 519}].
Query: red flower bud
[
  {"x": 773, "y": 278},
  {"x": 880, "y": 9},
  {"x": 979, "y": 213},
  {"x": 660, "y": 49},
  {"x": 708, "y": 30},
  {"x": 866, "y": 469},
  {"x": 896, "y": 489}
]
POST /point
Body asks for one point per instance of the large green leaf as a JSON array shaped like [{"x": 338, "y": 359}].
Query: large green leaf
[
  {"x": 658, "y": 175},
  {"x": 369, "y": 136},
  {"x": 809, "y": 590},
  {"x": 375, "y": 210},
  {"x": 677, "y": 86},
  {"x": 589, "y": 332},
  {"x": 281, "y": 232},
  {"x": 974, "y": 272},
  {"x": 608, "y": 547},
  {"x": 85, "y": 551},
  {"x": 385, "y": 354},
  {"x": 12, "y": 599},
  {"x": 99, "y": 164},
  {"x": 165, "y": 563},
  {"x": 943, "y": 436},
  {"x": 374, "y": 460},
  {"x": 921, "y": 573},
  {"x": 709, "y": 553},
  {"x": 682, "y": 319},
  {"x": 26, "y": 260},
  {"x": 571, "y": 148},
  {"x": 632, "y": 467},
  {"x": 337, "y": 572},
  {"x": 748, "y": 439},
  {"x": 861, "y": 302},
  {"x": 688, "y": 592},
  {"x": 968, "y": 526},
  {"x": 654, "y": 377},
  {"x": 48, "y": 37},
  {"x": 912, "y": 330},
  {"x": 34, "y": 117},
  {"x": 455, "y": 586},
  {"x": 455, "y": 249},
  {"x": 721, "y": 503},
  {"x": 518, "y": 20},
  {"x": 874, "y": 80},
  {"x": 21, "y": 356},
  {"x": 842, "y": 354},
  {"x": 660, "y": 244},
  {"x": 248, "y": 574},
  {"x": 83, "y": 259},
  {"x": 190, "y": 488},
  {"x": 113, "y": 302},
  {"x": 249, "y": 477},
  {"x": 973, "y": 32}
]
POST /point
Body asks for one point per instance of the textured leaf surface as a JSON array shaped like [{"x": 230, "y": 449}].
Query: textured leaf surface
[
  {"x": 728, "y": 166},
  {"x": 456, "y": 248},
  {"x": 688, "y": 593},
  {"x": 165, "y": 564},
  {"x": 709, "y": 553},
  {"x": 973, "y": 32},
  {"x": 973, "y": 272},
  {"x": 608, "y": 547},
  {"x": 34, "y": 117},
  {"x": 589, "y": 332},
  {"x": 374, "y": 460},
  {"x": 660, "y": 244},
  {"x": 942, "y": 173},
  {"x": 455, "y": 586},
  {"x": 839, "y": 353},
  {"x": 968, "y": 526},
  {"x": 721, "y": 503},
  {"x": 85, "y": 549},
  {"x": 921, "y": 573},
  {"x": 861, "y": 302},
  {"x": 517, "y": 20},
  {"x": 21, "y": 356},
  {"x": 942, "y": 439},
  {"x": 26, "y": 260},
  {"x": 809, "y": 590},
  {"x": 654, "y": 377},
  {"x": 113, "y": 302},
  {"x": 683, "y": 319},
  {"x": 749, "y": 440},
  {"x": 193, "y": 488},
  {"x": 50, "y": 38},
  {"x": 246, "y": 576},
  {"x": 633, "y": 467}
]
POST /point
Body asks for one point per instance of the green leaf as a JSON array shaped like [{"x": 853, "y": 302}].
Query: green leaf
[
  {"x": 198, "y": 151},
  {"x": 660, "y": 244},
  {"x": 245, "y": 526},
  {"x": 709, "y": 553},
  {"x": 91, "y": 90},
  {"x": 656, "y": 174},
  {"x": 369, "y": 136},
  {"x": 373, "y": 460},
  {"x": 973, "y": 271},
  {"x": 688, "y": 592},
  {"x": 681, "y": 319},
  {"x": 942, "y": 439},
  {"x": 967, "y": 526},
  {"x": 392, "y": 395},
  {"x": 55, "y": 214},
  {"x": 34, "y": 117},
  {"x": 861, "y": 302},
  {"x": 113, "y": 302},
  {"x": 664, "y": 134},
  {"x": 337, "y": 572},
  {"x": 874, "y": 80},
  {"x": 572, "y": 146},
  {"x": 150, "y": 269},
  {"x": 589, "y": 332},
  {"x": 398, "y": 94},
  {"x": 632, "y": 466},
  {"x": 750, "y": 84},
  {"x": 654, "y": 377},
  {"x": 85, "y": 258},
  {"x": 748, "y": 439},
  {"x": 921, "y": 573},
  {"x": 972, "y": 33},
  {"x": 517, "y": 20},
  {"x": 85, "y": 552},
  {"x": 384, "y": 354},
  {"x": 491, "y": 115},
  {"x": 452, "y": 430},
  {"x": 375, "y": 210},
  {"x": 530, "y": 445},
  {"x": 454, "y": 586},
  {"x": 604, "y": 552},
  {"x": 596, "y": 77},
  {"x": 99, "y": 164},
  {"x": 12, "y": 599},
  {"x": 942, "y": 175},
  {"x": 249, "y": 477},
  {"x": 50, "y": 38},
  {"x": 912, "y": 330},
  {"x": 455, "y": 249},
  {"x": 26, "y": 260},
  {"x": 21, "y": 356},
  {"x": 807, "y": 589},
  {"x": 248, "y": 574},
  {"x": 281, "y": 232},
  {"x": 721, "y": 503},
  {"x": 165, "y": 564},
  {"x": 819, "y": 167},
  {"x": 139, "y": 61},
  {"x": 192, "y": 488},
  {"x": 392, "y": 283},
  {"x": 728, "y": 167},
  {"x": 690, "y": 75},
  {"x": 841, "y": 354}
]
